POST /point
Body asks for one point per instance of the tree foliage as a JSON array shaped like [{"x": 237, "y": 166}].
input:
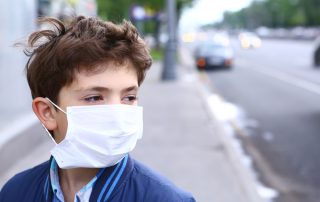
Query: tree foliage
[
  {"x": 275, "y": 13},
  {"x": 116, "y": 10}
]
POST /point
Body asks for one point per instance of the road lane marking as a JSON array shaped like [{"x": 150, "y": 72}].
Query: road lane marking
[{"x": 301, "y": 83}]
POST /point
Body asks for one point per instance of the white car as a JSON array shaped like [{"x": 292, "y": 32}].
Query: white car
[{"x": 249, "y": 40}]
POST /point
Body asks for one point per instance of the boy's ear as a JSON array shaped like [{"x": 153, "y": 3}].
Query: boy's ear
[{"x": 45, "y": 112}]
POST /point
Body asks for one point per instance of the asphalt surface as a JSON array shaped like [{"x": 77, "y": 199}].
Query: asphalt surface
[{"x": 278, "y": 91}]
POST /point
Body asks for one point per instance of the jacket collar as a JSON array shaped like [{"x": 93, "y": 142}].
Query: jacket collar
[
  {"x": 111, "y": 180},
  {"x": 107, "y": 183}
]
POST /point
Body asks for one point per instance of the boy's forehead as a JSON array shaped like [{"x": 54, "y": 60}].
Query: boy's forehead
[
  {"x": 101, "y": 67},
  {"x": 105, "y": 73}
]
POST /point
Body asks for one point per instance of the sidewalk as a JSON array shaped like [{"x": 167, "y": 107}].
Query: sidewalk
[{"x": 182, "y": 141}]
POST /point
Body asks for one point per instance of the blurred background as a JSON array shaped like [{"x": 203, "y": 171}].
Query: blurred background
[{"x": 262, "y": 57}]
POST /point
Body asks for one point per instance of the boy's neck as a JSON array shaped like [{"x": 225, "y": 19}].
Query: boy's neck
[{"x": 72, "y": 180}]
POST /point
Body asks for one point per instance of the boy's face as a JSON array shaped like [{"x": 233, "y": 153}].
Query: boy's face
[{"x": 113, "y": 86}]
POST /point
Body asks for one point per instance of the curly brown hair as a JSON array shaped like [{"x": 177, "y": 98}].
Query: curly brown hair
[{"x": 56, "y": 54}]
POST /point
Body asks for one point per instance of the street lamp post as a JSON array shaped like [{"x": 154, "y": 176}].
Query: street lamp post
[{"x": 169, "y": 65}]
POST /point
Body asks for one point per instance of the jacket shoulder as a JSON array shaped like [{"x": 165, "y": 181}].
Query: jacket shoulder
[
  {"x": 158, "y": 187},
  {"x": 24, "y": 183}
]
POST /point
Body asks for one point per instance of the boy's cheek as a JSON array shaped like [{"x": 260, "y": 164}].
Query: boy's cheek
[{"x": 62, "y": 125}]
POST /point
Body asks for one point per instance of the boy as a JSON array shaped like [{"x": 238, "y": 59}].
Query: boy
[{"x": 84, "y": 79}]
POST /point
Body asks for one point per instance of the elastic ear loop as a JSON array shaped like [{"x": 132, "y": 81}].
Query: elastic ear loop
[
  {"x": 55, "y": 105},
  {"x": 48, "y": 133}
]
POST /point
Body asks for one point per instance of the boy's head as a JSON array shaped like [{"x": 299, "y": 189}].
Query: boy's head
[
  {"x": 88, "y": 62},
  {"x": 58, "y": 54}
]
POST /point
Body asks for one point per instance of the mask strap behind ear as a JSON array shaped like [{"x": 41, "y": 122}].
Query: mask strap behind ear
[{"x": 56, "y": 105}]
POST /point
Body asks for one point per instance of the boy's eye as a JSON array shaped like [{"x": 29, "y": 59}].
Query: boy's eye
[
  {"x": 130, "y": 99},
  {"x": 95, "y": 98}
]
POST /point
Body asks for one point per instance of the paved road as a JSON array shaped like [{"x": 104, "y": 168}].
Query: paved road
[{"x": 279, "y": 92}]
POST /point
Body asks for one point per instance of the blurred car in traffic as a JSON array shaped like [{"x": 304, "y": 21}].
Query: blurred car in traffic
[
  {"x": 249, "y": 40},
  {"x": 212, "y": 55}
]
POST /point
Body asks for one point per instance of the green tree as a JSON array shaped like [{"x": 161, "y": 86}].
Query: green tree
[
  {"x": 275, "y": 13},
  {"x": 113, "y": 10},
  {"x": 119, "y": 9},
  {"x": 311, "y": 9}
]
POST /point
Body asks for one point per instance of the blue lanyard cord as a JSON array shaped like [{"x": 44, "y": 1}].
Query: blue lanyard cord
[
  {"x": 116, "y": 180},
  {"x": 46, "y": 187},
  {"x": 111, "y": 177}
]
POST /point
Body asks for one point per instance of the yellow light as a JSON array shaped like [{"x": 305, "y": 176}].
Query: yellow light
[
  {"x": 257, "y": 43},
  {"x": 245, "y": 43},
  {"x": 188, "y": 38}
]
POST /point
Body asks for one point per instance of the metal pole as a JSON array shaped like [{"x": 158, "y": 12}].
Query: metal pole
[{"x": 169, "y": 65}]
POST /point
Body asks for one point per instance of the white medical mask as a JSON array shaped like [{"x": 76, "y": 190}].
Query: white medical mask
[{"x": 98, "y": 135}]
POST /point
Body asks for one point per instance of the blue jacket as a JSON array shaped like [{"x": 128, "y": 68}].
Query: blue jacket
[{"x": 128, "y": 181}]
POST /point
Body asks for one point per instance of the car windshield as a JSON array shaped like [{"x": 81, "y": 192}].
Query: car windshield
[
  {"x": 248, "y": 35},
  {"x": 210, "y": 48}
]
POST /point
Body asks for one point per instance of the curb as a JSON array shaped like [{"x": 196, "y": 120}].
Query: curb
[{"x": 245, "y": 174}]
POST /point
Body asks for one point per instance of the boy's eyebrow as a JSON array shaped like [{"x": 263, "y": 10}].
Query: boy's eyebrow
[
  {"x": 92, "y": 88},
  {"x": 131, "y": 88},
  {"x": 101, "y": 89}
]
